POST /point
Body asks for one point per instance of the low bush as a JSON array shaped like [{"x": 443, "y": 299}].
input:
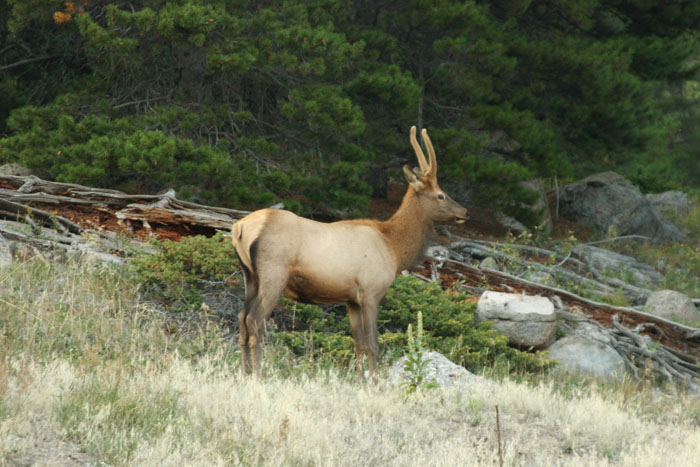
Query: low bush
[
  {"x": 179, "y": 271},
  {"x": 448, "y": 322}
]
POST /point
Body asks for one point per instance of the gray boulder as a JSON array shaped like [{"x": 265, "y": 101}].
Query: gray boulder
[
  {"x": 527, "y": 321},
  {"x": 670, "y": 304},
  {"x": 579, "y": 354},
  {"x": 510, "y": 223},
  {"x": 605, "y": 260},
  {"x": 671, "y": 202},
  {"x": 439, "y": 369},
  {"x": 607, "y": 200}
]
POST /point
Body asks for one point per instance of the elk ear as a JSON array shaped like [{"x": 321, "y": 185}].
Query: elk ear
[{"x": 412, "y": 178}]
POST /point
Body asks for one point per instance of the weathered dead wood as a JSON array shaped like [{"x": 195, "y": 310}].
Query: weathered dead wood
[
  {"x": 35, "y": 210},
  {"x": 31, "y": 192},
  {"x": 555, "y": 271},
  {"x": 155, "y": 213},
  {"x": 107, "y": 245},
  {"x": 574, "y": 270},
  {"x": 31, "y": 215},
  {"x": 666, "y": 363},
  {"x": 532, "y": 251}
]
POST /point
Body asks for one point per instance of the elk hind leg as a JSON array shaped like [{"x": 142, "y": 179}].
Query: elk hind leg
[
  {"x": 358, "y": 335},
  {"x": 251, "y": 299},
  {"x": 275, "y": 281}
]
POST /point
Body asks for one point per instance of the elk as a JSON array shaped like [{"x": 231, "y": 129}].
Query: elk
[{"x": 352, "y": 261}]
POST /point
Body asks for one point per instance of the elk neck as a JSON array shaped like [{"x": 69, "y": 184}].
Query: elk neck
[{"x": 408, "y": 231}]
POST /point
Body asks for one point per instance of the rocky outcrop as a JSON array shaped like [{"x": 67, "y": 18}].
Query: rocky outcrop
[
  {"x": 673, "y": 305},
  {"x": 671, "y": 202},
  {"x": 607, "y": 201},
  {"x": 607, "y": 261},
  {"x": 527, "y": 321},
  {"x": 582, "y": 355}
]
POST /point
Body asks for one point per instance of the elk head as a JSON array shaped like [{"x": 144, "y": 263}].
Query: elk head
[{"x": 435, "y": 202}]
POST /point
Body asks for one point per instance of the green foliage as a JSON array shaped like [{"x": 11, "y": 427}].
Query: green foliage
[
  {"x": 256, "y": 102},
  {"x": 178, "y": 271},
  {"x": 448, "y": 320}
]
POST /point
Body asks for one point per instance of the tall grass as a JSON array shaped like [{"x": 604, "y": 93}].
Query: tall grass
[{"x": 86, "y": 366}]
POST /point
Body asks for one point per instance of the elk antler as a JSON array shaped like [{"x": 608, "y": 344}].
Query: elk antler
[
  {"x": 424, "y": 167},
  {"x": 432, "y": 169}
]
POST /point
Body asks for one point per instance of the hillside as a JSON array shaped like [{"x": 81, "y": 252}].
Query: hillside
[
  {"x": 110, "y": 226},
  {"x": 94, "y": 371},
  {"x": 88, "y": 375}
]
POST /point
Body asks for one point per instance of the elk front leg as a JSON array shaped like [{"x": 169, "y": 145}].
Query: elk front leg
[{"x": 370, "y": 310}]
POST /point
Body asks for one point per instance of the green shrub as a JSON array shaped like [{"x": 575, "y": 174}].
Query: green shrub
[
  {"x": 179, "y": 271},
  {"x": 160, "y": 149},
  {"x": 448, "y": 321}
]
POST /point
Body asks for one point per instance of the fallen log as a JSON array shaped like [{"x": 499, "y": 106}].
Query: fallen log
[{"x": 72, "y": 207}]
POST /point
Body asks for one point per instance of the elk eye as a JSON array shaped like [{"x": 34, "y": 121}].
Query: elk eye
[{"x": 441, "y": 196}]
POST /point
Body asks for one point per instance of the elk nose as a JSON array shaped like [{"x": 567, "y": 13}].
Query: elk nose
[{"x": 462, "y": 217}]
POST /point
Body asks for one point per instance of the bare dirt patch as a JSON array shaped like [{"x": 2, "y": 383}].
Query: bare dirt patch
[{"x": 51, "y": 452}]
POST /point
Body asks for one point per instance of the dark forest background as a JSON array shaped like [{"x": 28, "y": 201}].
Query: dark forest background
[{"x": 245, "y": 104}]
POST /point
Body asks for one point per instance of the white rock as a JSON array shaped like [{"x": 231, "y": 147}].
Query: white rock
[{"x": 527, "y": 321}]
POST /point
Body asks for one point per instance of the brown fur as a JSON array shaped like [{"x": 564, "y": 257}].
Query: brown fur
[{"x": 352, "y": 262}]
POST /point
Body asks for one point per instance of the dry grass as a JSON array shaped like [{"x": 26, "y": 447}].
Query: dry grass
[{"x": 96, "y": 384}]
